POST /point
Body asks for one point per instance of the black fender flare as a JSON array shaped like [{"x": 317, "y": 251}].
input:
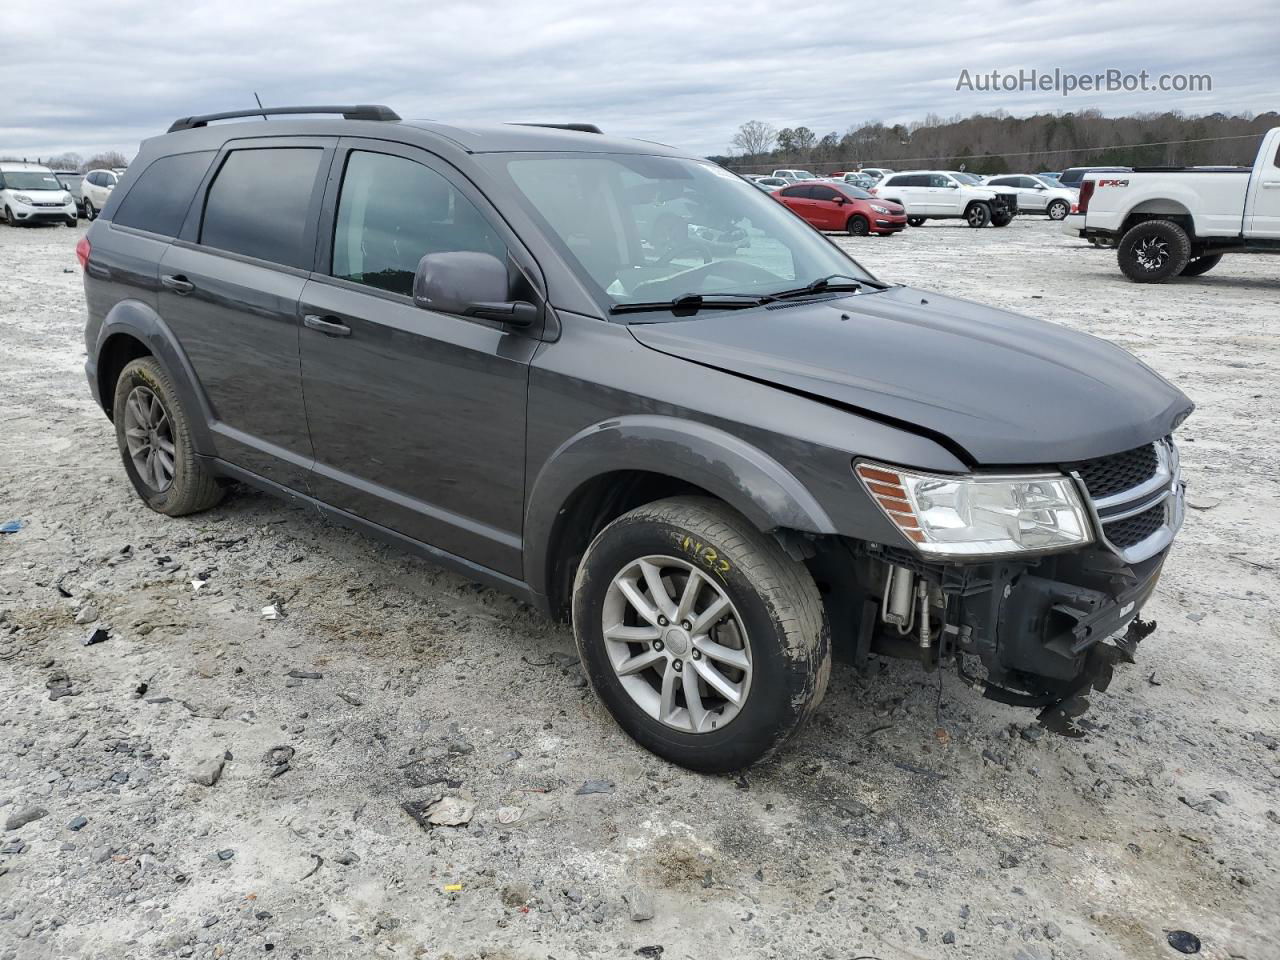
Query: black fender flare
[
  {"x": 726, "y": 466},
  {"x": 135, "y": 319}
]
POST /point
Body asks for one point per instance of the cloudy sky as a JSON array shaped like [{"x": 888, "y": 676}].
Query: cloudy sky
[{"x": 86, "y": 76}]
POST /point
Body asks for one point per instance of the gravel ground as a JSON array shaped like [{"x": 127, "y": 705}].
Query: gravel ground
[{"x": 910, "y": 820}]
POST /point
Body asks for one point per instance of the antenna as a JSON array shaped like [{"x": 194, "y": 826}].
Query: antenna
[{"x": 259, "y": 99}]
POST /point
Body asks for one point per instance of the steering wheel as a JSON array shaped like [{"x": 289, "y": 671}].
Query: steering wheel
[{"x": 681, "y": 247}]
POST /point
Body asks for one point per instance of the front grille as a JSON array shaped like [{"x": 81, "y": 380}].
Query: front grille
[
  {"x": 1133, "y": 530},
  {"x": 1106, "y": 476}
]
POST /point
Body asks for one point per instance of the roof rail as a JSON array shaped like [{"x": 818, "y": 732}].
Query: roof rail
[
  {"x": 579, "y": 127},
  {"x": 359, "y": 111}
]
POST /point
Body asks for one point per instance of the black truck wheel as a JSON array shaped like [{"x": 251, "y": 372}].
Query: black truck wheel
[
  {"x": 1201, "y": 265},
  {"x": 915, "y": 221},
  {"x": 858, "y": 226},
  {"x": 707, "y": 643},
  {"x": 1153, "y": 251}
]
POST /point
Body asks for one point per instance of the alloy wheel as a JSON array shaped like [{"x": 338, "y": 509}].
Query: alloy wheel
[
  {"x": 677, "y": 644},
  {"x": 1151, "y": 253},
  {"x": 149, "y": 435}
]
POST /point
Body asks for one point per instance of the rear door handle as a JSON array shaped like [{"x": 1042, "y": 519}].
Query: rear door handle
[
  {"x": 329, "y": 326},
  {"x": 179, "y": 285}
]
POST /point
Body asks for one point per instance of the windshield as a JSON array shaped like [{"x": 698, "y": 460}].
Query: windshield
[
  {"x": 803, "y": 175},
  {"x": 31, "y": 180},
  {"x": 850, "y": 190},
  {"x": 968, "y": 178},
  {"x": 642, "y": 229}
]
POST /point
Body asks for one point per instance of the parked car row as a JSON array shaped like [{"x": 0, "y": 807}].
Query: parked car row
[{"x": 32, "y": 193}]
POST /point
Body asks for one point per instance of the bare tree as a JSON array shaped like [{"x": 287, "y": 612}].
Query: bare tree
[
  {"x": 104, "y": 161},
  {"x": 755, "y": 137},
  {"x": 65, "y": 161}
]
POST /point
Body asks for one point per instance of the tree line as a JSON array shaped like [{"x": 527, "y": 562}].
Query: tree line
[
  {"x": 74, "y": 163},
  {"x": 999, "y": 143}
]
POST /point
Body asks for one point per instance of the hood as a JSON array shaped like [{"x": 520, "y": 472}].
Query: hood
[
  {"x": 1006, "y": 389},
  {"x": 41, "y": 196}
]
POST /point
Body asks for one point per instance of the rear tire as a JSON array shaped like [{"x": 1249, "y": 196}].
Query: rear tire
[
  {"x": 858, "y": 226},
  {"x": 190, "y": 487},
  {"x": 771, "y": 621},
  {"x": 1058, "y": 209},
  {"x": 978, "y": 215},
  {"x": 916, "y": 221},
  {"x": 90, "y": 211},
  {"x": 1153, "y": 251},
  {"x": 1199, "y": 265}
]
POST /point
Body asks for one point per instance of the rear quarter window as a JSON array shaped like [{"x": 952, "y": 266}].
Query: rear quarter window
[
  {"x": 259, "y": 204},
  {"x": 158, "y": 200}
]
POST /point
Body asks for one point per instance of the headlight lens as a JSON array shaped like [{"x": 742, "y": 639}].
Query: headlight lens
[
  {"x": 879, "y": 209},
  {"x": 22, "y": 198},
  {"x": 980, "y": 516}
]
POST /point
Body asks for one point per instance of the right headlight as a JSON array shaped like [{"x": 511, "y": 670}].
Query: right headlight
[{"x": 971, "y": 516}]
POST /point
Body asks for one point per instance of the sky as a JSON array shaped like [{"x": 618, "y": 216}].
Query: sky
[{"x": 91, "y": 76}]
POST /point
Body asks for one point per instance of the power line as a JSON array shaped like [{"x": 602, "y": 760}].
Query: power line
[{"x": 1037, "y": 153}]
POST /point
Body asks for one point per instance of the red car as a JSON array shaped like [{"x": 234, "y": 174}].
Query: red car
[{"x": 842, "y": 206}]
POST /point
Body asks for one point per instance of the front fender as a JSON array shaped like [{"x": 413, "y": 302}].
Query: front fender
[
  {"x": 132, "y": 318},
  {"x": 724, "y": 465}
]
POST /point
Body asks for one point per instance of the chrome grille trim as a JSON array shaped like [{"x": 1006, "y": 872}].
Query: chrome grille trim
[{"x": 1165, "y": 488}]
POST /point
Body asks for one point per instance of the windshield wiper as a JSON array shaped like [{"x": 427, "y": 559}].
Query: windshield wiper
[
  {"x": 693, "y": 302},
  {"x": 834, "y": 282}
]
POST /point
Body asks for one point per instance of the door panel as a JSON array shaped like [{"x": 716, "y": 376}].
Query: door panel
[
  {"x": 1263, "y": 222},
  {"x": 417, "y": 417},
  {"x": 418, "y": 422},
  {"x": 239, "y": 328}
]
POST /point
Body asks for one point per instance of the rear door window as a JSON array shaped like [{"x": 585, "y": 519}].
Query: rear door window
[
  {"x": 394, "y": 211},
  {"x": 796, "y": 193},
  {"x": 260, "y": 202},
  {"x": 158, "y": 201}
]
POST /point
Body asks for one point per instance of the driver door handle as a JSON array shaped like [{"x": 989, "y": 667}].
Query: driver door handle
[
  {"x": 179, "y": 285},
  {"x": 329, "y": 326}
]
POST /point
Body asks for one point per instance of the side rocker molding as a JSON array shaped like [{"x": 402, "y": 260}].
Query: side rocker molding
[
  {"x": 135, "y": 319},
  {"x": 724, "y": 465}
]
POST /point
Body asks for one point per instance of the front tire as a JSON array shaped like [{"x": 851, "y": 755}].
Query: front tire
[
  {"x": 154, "y": 437},
  {"x": 1058, "y": 209},
  {"x": 707, "y": 643},
  {"x": 1153, "y": 251},
  {"x": 978, "y": 215},
  {"x": 1001, "y": 219},
  {"x": 858, "y": 226},
  {"x": 9, "y": 218},
  {"x": 1199, "y": 265},
  {"x": 915, "y": 221}
]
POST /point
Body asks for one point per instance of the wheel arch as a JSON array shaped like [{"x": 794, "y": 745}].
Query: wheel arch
[
  {"x": 611, "y": 467},
  {"x": 1161, "y": 208},
  {"x": 130, "y": 330}
]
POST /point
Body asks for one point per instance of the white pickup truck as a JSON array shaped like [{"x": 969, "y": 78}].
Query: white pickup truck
[{"x": 1179, "y": 221}]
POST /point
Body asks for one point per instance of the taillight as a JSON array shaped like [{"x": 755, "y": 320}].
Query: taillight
[
  {"x": 82, "y": 252},
  {"x": 1086, "y": 191}
]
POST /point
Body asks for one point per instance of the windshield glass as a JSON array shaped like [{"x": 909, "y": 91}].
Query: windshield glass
[
  {"x": 968, "y": 178},
  {"x": 641, "y": 228},
  {"x": 31, "y": 180},
  {"x": 850, "y": 190}
]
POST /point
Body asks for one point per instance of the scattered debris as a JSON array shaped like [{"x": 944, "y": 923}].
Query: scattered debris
[
  {"x": 306, "y": 675},
  {"x": 11, "y": 526},
  {"x": 351, "y": 699},
  {"x": 271, "y": 612},
  {"x": 347, "y": 858},
  {"x": 417, "y": 810},
  {"x": 197, "y": 583},
  {"x": 20, "y": 819},
  {"x": 98, "y": 636},
  {"x": 639, "y": 903},
  {"x": 450, "y": 812},
  {"x": 318, "y": 864},
  {"x": 509, "y": 814},
  {"x": 208, "y": 772},
  {"x": 452, "y": 888},
  {"x": 595, "y": 786},
  {"x": 1184, "y": 942}
]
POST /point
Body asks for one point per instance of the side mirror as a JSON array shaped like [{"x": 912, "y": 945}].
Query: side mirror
[{"x": 469, "y": 284}]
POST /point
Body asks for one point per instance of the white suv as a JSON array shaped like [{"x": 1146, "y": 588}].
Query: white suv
[
  {"x": 95, "y": 189},
  {"x": 1039, "y": 194},
  {"x": 942, "y": 195},
  {"x": 30, "y": 193},
  {"x": 791, "y": 176}
]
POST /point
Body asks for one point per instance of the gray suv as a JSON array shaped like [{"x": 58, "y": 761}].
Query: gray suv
[{"x": 620, "y": 383}]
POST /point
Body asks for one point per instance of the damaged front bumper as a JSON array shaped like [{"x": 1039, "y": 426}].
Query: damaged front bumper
[{"x": 1047, "y": 629}]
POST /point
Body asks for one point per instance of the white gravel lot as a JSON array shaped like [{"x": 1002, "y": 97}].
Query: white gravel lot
[{"x": 910, "y": 820}]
